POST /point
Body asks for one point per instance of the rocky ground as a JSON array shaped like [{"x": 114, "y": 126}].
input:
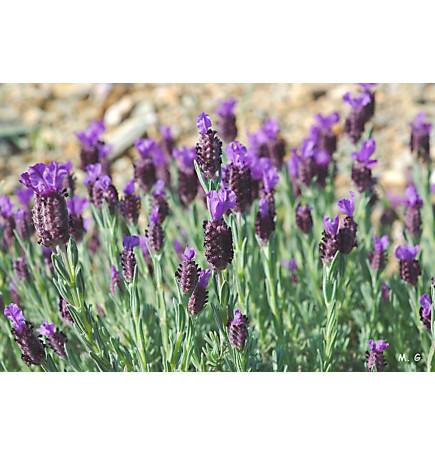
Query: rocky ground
[{"x": 38, "y": 121}]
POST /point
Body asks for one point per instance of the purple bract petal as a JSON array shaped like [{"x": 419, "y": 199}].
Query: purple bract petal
[
  {"x": 44, "y": 179},
  {"x": 204, "y": 277},
  {"x": 129, "y": 188},
  {"x": 15, "y": 315},
  {"x": 331, "y": 225},
  {"x": 93, "y": 173},
  {"x": 363, "y": 155},
  {"x": 406, "y": 252},
  {"x": 203, "y": 123},
  {"x": 24, "y": 195},
  {"x": 220, "y": 202},
  {"x": 130, "y": 242},
  {"x": 226, "y": 108},
  {"x": 347, "y": 206},
  {"x": 6, "y": 207},
  {"x": 76, "y": 205},
  {"x": 47, "y": 329},
  {"x": 237, "y": 153},
  {"x": 189, "y": 253}
]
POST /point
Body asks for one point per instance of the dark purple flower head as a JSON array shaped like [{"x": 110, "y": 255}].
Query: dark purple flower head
[
  {"x": 189, "y": 253},
  {"x": 380, "y": 244},
  {"x": 347, "y": 206},
  {"x": 47, "y": 329},
  {"x": 130, "y": 242},
  {"x": 237, "y": 153},
  {"x": 357, "y": 102},
  {"x": 379, "y": 346},
  {"x": 76, "y": 205},
  {"x": 238, "y": 330},
  {"x": 204, "y": 277},
  {"x": 92, "y": 134},
  {"x": 426, "y": 305},
  {"x": 363, "y": 155},
  {"x": 226, "y": 108},
  {"x": 6, "y": 207},
  {"x": 115, "y": 279},
  {"x": 331, "y": 225},
  {"x": 420, "y": 125},
  {"x": 24, "y": 196},
  {"x": 15, "y": 315},
  {"x": 203, "y": 122},
  {"x": 219, "y": 202},
  {"x": 45, "y": 179},
  {"x": 185, "y": 158},
  {"x": 322, "y": 158},
  {"x": 413, "y": 199},
  {"x": 406, "y": 252},
  {"x": 93, "y": 171},
  {"x": 264, "y": 207}
]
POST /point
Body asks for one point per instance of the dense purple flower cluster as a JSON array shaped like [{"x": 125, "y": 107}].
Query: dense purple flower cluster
[{"x": 375, "y": 355}]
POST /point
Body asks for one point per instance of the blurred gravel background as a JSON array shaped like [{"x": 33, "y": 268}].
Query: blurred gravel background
[{"x": 38, "y": 121}]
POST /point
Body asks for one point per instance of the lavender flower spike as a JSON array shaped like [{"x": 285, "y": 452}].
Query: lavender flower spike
[
  {"x": 238, "y": 330},
  {"x": 329, "y": 244},
  {"x": 208, "y": 148},
  {"x": 413, "y": 204},
  {"x": 375, "y": 356},
  {"x": 50, "y": 213},
  {"x": 378, "y": 257},
  {"x": 227, "y": 120},
  {"x": 199, "y": 297},
  {"x": 187, "y": 272},
  {"x": 130, "y": 205},
  {"x": 32, "y": 350},
  {"x": 420, "y": 136},
  {"x": 362, "y": 166},
  {"x": 426, "y": 310},
  {"x": 154, "y": 232},
  {"x": 409, "y": 265},
  {"x": 76, "y": 205},
  {"x": 56, "y": 339},
  {"x": 128, "y": 258}
]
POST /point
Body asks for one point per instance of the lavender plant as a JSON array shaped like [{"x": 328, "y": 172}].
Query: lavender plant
[{"x": 222, "y": 262}]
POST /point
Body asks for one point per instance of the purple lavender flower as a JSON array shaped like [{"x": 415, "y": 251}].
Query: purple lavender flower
[
  {"x": 145, "y": 172},
  {"x": 347, "y": 233},
  {"x": 56, "y": 339},
  {"x": 362, "y": 166},
  {"x": 413, "y": 205},
  {"x": 32, "y": 350},
  {"x": 130, "y": 204},
  {"x": 378, "y": 257},
  {"x": 270, "y": 143},
  {"x": 375, "y": 355},
  {"x": 198, "y": 299},
  {"x": 159, "y": 201},
  {"x": 104, "y": 191},
  {"x": 8, "y": 221},
  {"x": 409, "y": 265},
  {"x": 50, "y": 213},
  {"x": 187, "y": 272},
  {"x": 420, "y": 136},
  {"x": 76, "y": 205},
  {"x": 93, "y": 148},
  {"x": 218, "y": 239},
  {"x": 187, "y": 178},
  {"x": 304, "y": 220},
  {"x": 154, "y": 232},
  {"x": 426, "y": 310},
  {"x": 264, "y": 221},
  {"x": 179, "y": 250},
  {"x": 238, "y": 330},
  {"x": 23, "y": 223},
  {"x": 227, "y": 120},
  {"x": 208, "y": 148},
  {"x": 369, "y": 109},
  {"x": 237, "y": 176},
  {"x": 167, "y": 143},
  {"x": 357, "y": 118},
  {"x": 321, "y": 132},
  {"x": 128, "y": 258},
  {"x": 329, "y": 244}
]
